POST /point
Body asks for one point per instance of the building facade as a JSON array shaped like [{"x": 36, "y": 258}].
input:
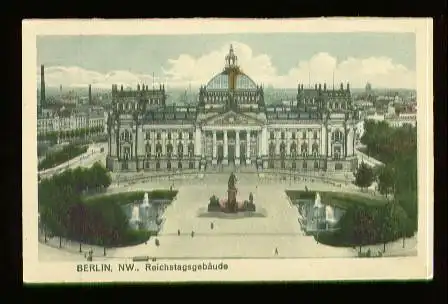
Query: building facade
[
  {"x": 232, "y": 126},
  {"x": 66, "y": 127}
]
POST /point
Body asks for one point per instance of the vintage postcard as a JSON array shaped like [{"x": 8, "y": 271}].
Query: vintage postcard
[{"x": 212, "y": 150}]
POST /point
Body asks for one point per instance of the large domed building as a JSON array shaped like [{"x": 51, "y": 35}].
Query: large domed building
[{"x": 232, "y": 126}]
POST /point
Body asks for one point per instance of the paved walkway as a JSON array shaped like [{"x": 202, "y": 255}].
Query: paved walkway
[{"x": 254, "y": 237}]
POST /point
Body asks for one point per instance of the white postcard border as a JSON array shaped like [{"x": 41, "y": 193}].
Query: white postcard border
[{"x": 244, "y": 269}]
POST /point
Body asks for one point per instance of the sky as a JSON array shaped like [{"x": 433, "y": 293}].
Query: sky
[{"x": 280, "y": 60}]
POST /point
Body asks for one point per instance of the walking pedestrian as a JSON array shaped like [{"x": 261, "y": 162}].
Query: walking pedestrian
[
  {"x": 192, "y": 233},
  {"x": 212, "y": 225},
  {"x": 178, "y": 231},
  {"x": 276, "y": 251}
]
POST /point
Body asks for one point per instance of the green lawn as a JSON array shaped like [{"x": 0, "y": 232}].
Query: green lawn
[
  {"x": 339, "y": 199},
  {"x": 130, "y": 197}
]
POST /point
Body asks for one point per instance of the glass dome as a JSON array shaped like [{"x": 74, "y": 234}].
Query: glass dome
[
  {"x": 220, "y": 81},
  {"x": 245, "y": 82}
]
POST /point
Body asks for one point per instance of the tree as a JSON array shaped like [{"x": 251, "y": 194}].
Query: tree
[
  {"x": 364, "y": 176},
  {"x": 387, "y": 228},
  {"x": 363, "y": 230},
  {"x": 386, "y": 182},
  {"x": 78, "y": 224}
]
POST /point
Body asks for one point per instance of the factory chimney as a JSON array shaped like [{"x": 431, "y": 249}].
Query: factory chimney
[
  {"x": 90, "y": 94},
  {"x": 42, "y": 85}
]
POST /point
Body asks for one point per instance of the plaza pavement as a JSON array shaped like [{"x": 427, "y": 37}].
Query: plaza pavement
[{"x": 250, "y": 237}]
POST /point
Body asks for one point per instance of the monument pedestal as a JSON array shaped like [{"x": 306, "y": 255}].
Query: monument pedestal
[{"x": 232, "y": 205}]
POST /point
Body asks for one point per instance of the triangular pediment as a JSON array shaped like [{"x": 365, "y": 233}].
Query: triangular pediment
[{"x": 232, "y": 119}]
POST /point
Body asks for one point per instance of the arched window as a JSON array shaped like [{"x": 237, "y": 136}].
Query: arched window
[
  {"x": 157, "y": 165},
  {"x": 169, "y": 150},
  {"x": 315, "y": 149},
  {"x": 293, "y": 165},
  {"x": 283, "y": 164},
  {"x": 305, "y": 165},
  {"x": 190, "y": 150},
  {"x": 148, "y": 150},
  {"x": 304, "y": 149},
  {"x": 179, "y": 165},
  {"x": 168, "y": 165},
  {"x": 293, "y": 149},
  {"x": 191, "y": 165},
  {"x": 316, "y": 165},
  {"x": 282, "y": 149},
  {"x": 180, "y": 150},
  {"x": 271, "y": 149},
  {"x": 158, "y": 149}
]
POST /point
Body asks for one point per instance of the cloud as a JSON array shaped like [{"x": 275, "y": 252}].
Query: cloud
[
  {"x": 184, "y": 70},
  {"x": 76, "y": 77}
]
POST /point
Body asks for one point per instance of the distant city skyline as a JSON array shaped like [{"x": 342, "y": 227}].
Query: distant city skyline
[{"x": 277, "y": 60}]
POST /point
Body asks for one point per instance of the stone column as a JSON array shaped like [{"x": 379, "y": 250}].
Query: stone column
[
  {"x": 197, "y": 141},
  {"x": 153, "y": 143},
  {"x": 163, "y": 143},
  {"x": 174, "y": 143},
  {"x": 248, "y": 147},
  {"x": 237, "y": 147},
  {"x": 349, "y": 143},
  {"x": 214, "y": 161},
  {"x": 225, "y": 149},
  {"x": 264, "y": 141},
  {"x": 322, "y": 138},
  {"x": 141, "y": 141}
]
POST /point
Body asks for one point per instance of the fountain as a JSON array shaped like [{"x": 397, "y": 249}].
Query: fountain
[
  {"x": 317, "y": 201},
  {"x": 135, "y": 216},
  {"x": 329, "y": 215},
  {"x": 145, "y": 201},
  {"x": 230, "y": 204}
]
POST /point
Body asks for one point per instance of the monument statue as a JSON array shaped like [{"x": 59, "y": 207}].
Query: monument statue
[
  {"x": 231, "y": 204},
  {"x": 232, "y": 181}
]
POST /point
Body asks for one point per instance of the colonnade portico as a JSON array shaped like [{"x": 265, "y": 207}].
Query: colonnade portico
[{"x": 228, "y": 148}]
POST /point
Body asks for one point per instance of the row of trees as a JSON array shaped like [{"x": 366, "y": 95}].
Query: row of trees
[
  {"x": 76, "y": 133},
  {"x": 397, "y": 149},
  {"x": 54, "y": 159},
  {"x": 364, "y": 225},
  {"x": 63, "y": 212}
]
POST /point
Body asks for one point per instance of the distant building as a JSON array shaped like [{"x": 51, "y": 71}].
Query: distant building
[
  {"x": 65, "y": 125},
  {"x": 231, "y": 126}
]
